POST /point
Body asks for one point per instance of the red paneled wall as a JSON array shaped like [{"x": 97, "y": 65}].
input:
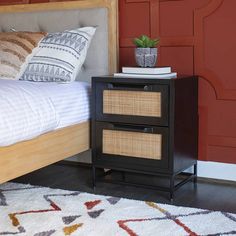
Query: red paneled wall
[
  {"x": 7, "y": 2},
  {"x": 197, "y": 37}
]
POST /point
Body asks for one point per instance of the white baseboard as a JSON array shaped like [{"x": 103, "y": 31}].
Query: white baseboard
[
  {"x": 206, "y": 169},
  {"x": 217, "y": 170}
]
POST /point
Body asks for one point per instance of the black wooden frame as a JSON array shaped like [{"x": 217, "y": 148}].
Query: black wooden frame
[{"x": 180, "y": 124}]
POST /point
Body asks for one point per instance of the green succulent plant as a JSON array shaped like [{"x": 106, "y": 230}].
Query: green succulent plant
[{"x": 145, "y": 42}]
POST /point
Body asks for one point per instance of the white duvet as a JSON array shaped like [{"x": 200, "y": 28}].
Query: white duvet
[
  {"x": 29, "y": 109},
  {"x": 24, "y": 112}
]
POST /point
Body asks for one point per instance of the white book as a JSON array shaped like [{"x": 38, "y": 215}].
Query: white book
[
  {"x": 144, "y": 76},
  {"x": 149, "y": 71}
]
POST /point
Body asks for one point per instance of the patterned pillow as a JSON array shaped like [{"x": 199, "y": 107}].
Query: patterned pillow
[
  {"x": 15, "y": 50},
  {"x": 60, "y": 56}
]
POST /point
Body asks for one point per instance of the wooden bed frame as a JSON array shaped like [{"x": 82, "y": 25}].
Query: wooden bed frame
[{"x": 27, "y": 156}]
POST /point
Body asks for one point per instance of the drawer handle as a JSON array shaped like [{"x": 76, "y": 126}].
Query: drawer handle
[
  {"x": 133, "y": 128},
  {"x": 142, "y": 87}
]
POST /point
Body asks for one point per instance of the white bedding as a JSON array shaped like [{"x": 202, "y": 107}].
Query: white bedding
[
  {"x": 29, "y": 109},
  {"x": 71, "y": 101}
]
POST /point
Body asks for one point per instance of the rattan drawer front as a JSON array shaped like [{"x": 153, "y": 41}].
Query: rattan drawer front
[
  {"x": 135, "y": 103},
  {"x": 133, "y": 144}
]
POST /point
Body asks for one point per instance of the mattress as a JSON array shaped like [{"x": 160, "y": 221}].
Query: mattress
[{"x": 29, "y": 109}]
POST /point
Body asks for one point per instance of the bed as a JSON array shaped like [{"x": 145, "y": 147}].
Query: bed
[{"x": 26, "y": 156}]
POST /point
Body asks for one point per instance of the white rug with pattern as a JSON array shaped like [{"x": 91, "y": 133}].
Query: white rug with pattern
[{"x": 38, "y": 211}]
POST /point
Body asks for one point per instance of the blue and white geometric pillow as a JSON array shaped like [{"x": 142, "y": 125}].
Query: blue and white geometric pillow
[{"x": 60, "y": 56}]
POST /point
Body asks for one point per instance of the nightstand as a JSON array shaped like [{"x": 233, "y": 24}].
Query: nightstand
[{"x": 146, "y": 126}]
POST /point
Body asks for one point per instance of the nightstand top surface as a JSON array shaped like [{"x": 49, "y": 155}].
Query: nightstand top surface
[{"x": 111, "y": 78}]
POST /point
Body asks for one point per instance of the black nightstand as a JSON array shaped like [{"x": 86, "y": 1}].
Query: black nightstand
[{"x": 147, "y": 126}]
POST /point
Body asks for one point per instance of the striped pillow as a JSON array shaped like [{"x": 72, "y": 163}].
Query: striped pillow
[
  {"x": 15, "y": 50},
  {"x": 60, "y": 56}
]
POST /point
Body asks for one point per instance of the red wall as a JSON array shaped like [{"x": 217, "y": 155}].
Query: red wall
[{"x": 197, "y": 37}]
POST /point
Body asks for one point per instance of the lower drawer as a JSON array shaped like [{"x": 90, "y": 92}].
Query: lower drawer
[
  {"x": 130, "y": 146},
  {"x": 133, "y": 144}
]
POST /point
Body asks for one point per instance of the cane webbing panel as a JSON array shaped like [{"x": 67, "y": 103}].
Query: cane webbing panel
[
  {"x": 134, "y": 144},
  {"x": 136, "y": 103}
]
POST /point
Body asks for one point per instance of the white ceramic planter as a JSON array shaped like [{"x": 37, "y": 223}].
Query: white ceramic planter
[{"x": 146, "y": 57}]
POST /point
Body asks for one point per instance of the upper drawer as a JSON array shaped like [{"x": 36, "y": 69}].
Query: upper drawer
[{"x": 132, "y": 103}]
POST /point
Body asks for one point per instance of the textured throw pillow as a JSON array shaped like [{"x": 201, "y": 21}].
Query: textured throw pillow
[
  {"x": 60, "y": 56},
  {"x": 15, "y": 50}
]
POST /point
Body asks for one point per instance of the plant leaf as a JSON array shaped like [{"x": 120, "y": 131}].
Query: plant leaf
[
  {"x": 146, "y": 42},
  {"x": 138, "y": 42}
]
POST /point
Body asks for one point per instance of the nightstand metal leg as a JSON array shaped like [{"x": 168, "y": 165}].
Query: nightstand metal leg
[
  {"x": 94, "y": 177},
  {"x": 195, "y": 173},
  {"x": 172, "y": 188}
]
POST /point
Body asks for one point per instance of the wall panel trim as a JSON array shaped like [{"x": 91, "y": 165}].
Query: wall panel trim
[{"x": 199, "y": 15}]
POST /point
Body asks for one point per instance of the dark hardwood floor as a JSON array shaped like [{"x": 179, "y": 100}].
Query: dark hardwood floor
[{"x": 207, "y": 194}]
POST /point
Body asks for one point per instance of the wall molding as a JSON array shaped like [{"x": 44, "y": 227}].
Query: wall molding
[
  {"x": 200, "y": 68},
  {"x": 222, "y": 141},
  {"x": 176, "y": 41},
  {"x": 206, "y": 169},
  {"x": 217, "y": 170}
]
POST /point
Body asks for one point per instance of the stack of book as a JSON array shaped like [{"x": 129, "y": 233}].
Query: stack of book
[{"x": 140, "y": 72}]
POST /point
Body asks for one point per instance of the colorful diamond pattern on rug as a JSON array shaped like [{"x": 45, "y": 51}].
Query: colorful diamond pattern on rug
[
  {"x": 38, "y": 211},
  {"x": 95, "y": 214},
  {"x": 69, "y": 219},
  {"x": 92, "y": 204}
]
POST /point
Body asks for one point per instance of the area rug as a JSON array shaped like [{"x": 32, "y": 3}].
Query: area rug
[{"x": 39, "y": 211}]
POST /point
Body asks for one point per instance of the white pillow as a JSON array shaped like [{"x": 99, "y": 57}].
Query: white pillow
[{"x": 60, "y": 56}]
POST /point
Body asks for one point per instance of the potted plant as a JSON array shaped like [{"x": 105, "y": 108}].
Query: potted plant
[{"x": 146, "y": 51}]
